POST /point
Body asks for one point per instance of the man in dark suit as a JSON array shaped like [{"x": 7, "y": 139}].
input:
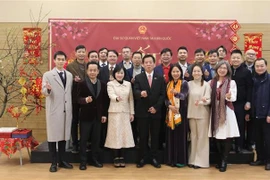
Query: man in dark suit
[
  {"x": 105, "y": 73},
  {"x": 243, "y": 80},
  {"x": 163, "y": 70},
  {"x": 261, "y": 113},
  {"x": 182, "y": 55},
  {"x": 126, "y": 62},
  {"x": 103, "y": 55},
  {"x": 149, "y": 91},
  {"x": 137, "y": 66},
  {"x": 132, "y": 73},
  {"x": 200, "y": 59},
  {"x": 250, "y": 57},
  {"x": 93, "y": 98}
]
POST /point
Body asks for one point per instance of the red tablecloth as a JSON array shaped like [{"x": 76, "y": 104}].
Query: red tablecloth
[{"x": 9, "y": 146}]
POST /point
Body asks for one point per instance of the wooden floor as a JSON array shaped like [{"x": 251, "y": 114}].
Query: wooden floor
[{"x": 10, "y": 169}]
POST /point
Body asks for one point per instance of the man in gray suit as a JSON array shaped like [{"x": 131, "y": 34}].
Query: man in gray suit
[{"x": 57, "y": 87}]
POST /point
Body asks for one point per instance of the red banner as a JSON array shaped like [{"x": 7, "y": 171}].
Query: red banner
[
  {"x": 147, "y": 36},
  {"x": 254, "y": 41},
  {"x": 32, "y": 45}
]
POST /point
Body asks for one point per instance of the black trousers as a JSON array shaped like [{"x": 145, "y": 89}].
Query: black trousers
[
  {"x": 162, "y": 132},
  {"x": 75, "y": 123},
  {"x": 89, "y": 129},
  {"x": 250, "y": 140},
  {"x": 240, "y": 116},
  {"x": 223, "y": 147},
  {"x": 262, "y": 132},
  {"x": 147, "y": 125},
  {"x": 53, "y": 152},
  {"x": 134, "y": 126}
]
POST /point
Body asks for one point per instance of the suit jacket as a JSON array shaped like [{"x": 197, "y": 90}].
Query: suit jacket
[
  {"x": 205, "y": 66},
  {"x": 243, "y": 78},
  {"x": 104, "y": 74},
  {"x": 159, "y": 69},
  {"x": 74, "y": 69},
  {"x": 253, "y": 68},
  {"x": 58, "y": 105},
  {"x": 122, "y": 65},
  {"x": 130, "y": 72},
  {"x": 99, "y": 106},
  {"x": 124, "y": 90},
  {"x": 155, "y": 98},
  {"x": 188, "y": 70}
]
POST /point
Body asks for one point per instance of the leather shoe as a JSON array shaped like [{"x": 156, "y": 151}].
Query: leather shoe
[
  {"x": 155, "y": 163},
  {"x": 75, "y": 149},
  {"x": 196, "y": 167},
  {"x": 267, "y": 167},
  {"x": 82, "y": 166},
  {"x": 97, "y": 164},
  {"x": 116, "y": 162},
  {"x": 256, "y": 163},
  {"x": 140, "y": 163},
  {"x": 53, "y": 168},
  {"x": 122, "y": 162},
  {"x": 65, "y": 165}
]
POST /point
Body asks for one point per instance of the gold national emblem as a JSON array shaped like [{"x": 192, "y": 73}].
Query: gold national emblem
[{"x": 142, "y": 29}]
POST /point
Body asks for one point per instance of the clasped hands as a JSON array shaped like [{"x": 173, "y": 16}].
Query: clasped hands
[{"x": 203, "y": 99}]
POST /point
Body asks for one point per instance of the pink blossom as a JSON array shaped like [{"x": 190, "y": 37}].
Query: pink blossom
[
  {"x": 201, "y": 30},
  {"x": 61, "y": 23},
  {"x": 197, "y": 33},
  {"x": 56, "y": 34},
  {"x": 79, "y": 34},
  {"x": 204, "y": 35},
  {"x": 218, "y": 36},
  {"x": 74, "y": 37},
  {"x": 86, "y": 32},
  {"x": 209, "y": 38},
  {"x": 221, "y": 25},
  {"x": 64, "y": 35},
  {"x": 226, "y": 35},
  {"x": 214, "y": 29},
  {"x": 69, "y": 28},
  {"x": 225, "y": 28}
]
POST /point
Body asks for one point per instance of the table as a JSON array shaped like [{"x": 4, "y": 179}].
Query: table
[{"x": 10, "y": 146}]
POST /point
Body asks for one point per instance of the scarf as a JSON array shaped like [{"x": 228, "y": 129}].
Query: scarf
[
  {"x": 173, "y": 119},
  {"x": 219, "y": 103}
]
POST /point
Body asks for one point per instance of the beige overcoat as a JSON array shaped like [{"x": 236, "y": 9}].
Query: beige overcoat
[{"x": 58, "y": 106}]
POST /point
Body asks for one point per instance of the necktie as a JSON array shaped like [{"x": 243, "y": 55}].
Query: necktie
[
  {"x": 61, "y": 74},
  {"x": 149, "y": 80},
  {"x": 103, "y": 64},
  {"x": 111, "y": 70},
  {"x": 250, "y": 69}
]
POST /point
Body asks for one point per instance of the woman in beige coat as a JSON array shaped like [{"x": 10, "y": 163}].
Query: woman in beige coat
[
  {"x": 199, "y": 115},
  {"x": 121, "y": 113}
]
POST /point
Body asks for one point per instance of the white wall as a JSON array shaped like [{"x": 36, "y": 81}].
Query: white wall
[{"x": 243, "y": 11}]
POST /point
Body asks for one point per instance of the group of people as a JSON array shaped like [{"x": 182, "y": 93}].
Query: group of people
[{"x": 120, "y": 105}]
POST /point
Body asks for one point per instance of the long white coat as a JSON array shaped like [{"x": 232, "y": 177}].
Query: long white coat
[{"x": 58, "y": 106}]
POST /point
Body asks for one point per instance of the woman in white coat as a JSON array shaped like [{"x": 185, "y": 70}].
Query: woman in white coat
[
  {"x": 223, "y": 125},
  {"x": 120, "y": 114}
]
